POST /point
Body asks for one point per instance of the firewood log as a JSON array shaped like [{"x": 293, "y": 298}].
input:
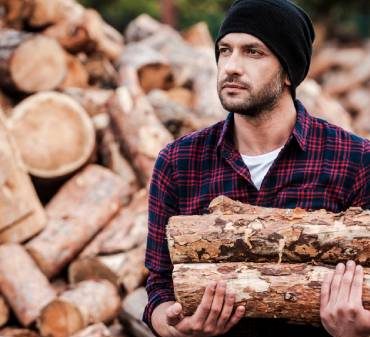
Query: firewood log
[
  {"x": 77, "y": 75},
  {"x": 267, "y": 234},
  {"x": 267, "y": 290},
  {"x": 81, "y": 208},
  {"x": 199, "y": 35},
  {"x": 93, "y": 100},
  {"x": 141, "y": 28},
  {"x": 61, "y": 129},
  {"x": 23, "y": 285},
  {"x": 6, "y": 104},
  {"x": 87, "y": 303},
  {"x": 23, "y": 69},
  {"x": 111, "y": 157},
  {"x": 127, "y": 230},
  {"x": 95, "y": 330},
  {"x": 117, "y": 330},
  {"x": 15, "y": 332},
  {"x": 15, "y": 12},
  {"x": 21, "y": 213},
  {"x": 132, "y": 311},
  {"x": 154, "y": 71},
  {"x": 322, "y": 105},
  {"x": 125, "y": 270},
  {"x": 4, "y": 312},
  {"x": 89, "y": 33},
  {"x": 140, "y": 132}
]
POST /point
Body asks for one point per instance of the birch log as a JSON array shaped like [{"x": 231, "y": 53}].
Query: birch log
[
  {"x": 23, "y": 285},
  {"x": 267, "y": 234},
  {"x": 87, "y": 303},
  {"x": 21, "y": 213},
  {"x": 267, "y": 290},
  {"x": 15, "y": 332},
  {"x": 82, "y": 207}
]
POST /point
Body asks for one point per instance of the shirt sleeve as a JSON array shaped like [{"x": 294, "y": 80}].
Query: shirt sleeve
[
  {"x": 360, "y": 196},
  {"x": 163, "y": 203}
]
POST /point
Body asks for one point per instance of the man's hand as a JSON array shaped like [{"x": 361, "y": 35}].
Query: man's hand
[
  {"x": 342, "y": 312},
  {"x": 214, "y": 315}
]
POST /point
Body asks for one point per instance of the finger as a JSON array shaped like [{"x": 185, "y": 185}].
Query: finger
[
  {"x": 356, "y": 289},
  {"x": 174, "y": 314},
  {"x": 235, "y": 318},
  {"x": 346, "y": 283},
  {"x": 204, "y": 307},
  {"x": 226, "y": 311},
  {"x": 335, "y": 283},
  {"x": 325, "y": 289},
  {"x": 217, "y": 304}
]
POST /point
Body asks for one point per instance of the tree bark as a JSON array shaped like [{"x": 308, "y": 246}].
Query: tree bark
[
  {"x": 61, "y": 129},
  {"x": 21, "y": 213},
  {"x": 98, "y": 194},
  {"x": 132, "y": 312},
  {"x": 87, "y": 303},
  {"x": 140, "y": 132},
  {"x": 23, "y": 69},
  {"x": 267, "y": 290},
  {"x": 265, "y": 234},
  {"x": 15, "y": 332},
  {"x": 4, "y": 312},
  {"x": 23, "y": 285},
  {"x": 95, "y": 330}
]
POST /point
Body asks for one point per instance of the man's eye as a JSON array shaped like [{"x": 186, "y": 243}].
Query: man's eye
[
  {"x": 223, "y": 50},
  {"x": 253, "y": 52}
]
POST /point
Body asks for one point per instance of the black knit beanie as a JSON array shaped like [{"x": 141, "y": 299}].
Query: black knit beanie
[{"x": 284, "y": 27}]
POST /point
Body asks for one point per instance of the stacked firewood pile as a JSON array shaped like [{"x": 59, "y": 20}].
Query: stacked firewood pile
[
  {"x": 274, "y": 260},
  {"x": 84, "y": 112}
]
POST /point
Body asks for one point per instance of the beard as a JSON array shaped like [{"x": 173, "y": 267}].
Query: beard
[{"x": 257, "y": 103}]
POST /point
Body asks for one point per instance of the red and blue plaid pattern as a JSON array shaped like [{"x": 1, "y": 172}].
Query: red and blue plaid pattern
[{"x": 321, "y": 166}]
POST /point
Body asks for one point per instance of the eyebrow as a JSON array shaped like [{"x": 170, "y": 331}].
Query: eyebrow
[{"x": 246, "y": 45}]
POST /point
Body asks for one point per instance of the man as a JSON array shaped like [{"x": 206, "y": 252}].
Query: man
[{"x": 268, "y": 152}]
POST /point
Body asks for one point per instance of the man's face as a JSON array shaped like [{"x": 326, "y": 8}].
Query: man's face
[{"x": 250, "y": 77}]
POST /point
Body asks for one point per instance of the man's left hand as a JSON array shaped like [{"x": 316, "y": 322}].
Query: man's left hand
[{"x": 342, "y": 313}]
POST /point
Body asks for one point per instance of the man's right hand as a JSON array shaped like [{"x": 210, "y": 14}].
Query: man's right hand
[{"x": 214, "y": 315}]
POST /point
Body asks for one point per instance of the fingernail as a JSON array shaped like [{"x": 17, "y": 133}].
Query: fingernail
[
  {"x": 240, "y": 309},
  {"x": 359, "y": 268},
  {"x": 340, "y": 266},
  {"x": 350, "y": 264}
]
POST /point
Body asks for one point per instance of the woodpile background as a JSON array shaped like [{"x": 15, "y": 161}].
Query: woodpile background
[{"x": 84, "y": 111}]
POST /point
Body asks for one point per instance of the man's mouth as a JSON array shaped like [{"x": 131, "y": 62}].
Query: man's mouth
[{"x": 233, "y": 86}]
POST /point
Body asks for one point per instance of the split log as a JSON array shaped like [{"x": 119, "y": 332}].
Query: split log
[
  {"x": 4, "y": 312},
  {"x": 77, "y": 75},
  {"x": 95, "y": 330},
  {"x": 267, "y": 290},
  {"x": 21, "y": 213},
  {"x": 322, "y": 105},
  {"x": 93, "y": 100},
  {"x": 178, "y": 119},
  {"x": 132, "y": 311},
  {"x": 23, "y": 69},
  {"x": 127, "y": 230},
  {"x": 98, "y": 194},
  {"x": 264, "y": 234},
  {"x": 61, "y": 130},
  {"x": 111, "y": 157},
  {"x": 125, "y": 270},
  {"x": 199, "y": 35},
  {"x": 23, "y": 285},
  {"x": 87, "y": 303},
  {"x": 181, "y": 96},
  {"x": 101, "y": 71},
  {"x": 154, "y": 71},
  {"x": 141, "y": 28},
  {"x": 87, "y": 32},
  {"x": 140, "y": 132},
  {"x": 16, "y": 12},
  {"x": 15, "y": 332}
]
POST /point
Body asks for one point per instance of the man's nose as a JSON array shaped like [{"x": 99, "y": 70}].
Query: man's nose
[{"x": 233, "y": 64}]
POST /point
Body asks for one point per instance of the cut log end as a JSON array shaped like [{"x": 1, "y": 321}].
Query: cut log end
[{"x": 60, "y": 319}]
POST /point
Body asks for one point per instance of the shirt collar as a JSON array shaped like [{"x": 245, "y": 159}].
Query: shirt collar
[{"x": 300, "y": 130}]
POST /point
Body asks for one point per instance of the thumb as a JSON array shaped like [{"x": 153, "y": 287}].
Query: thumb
[{"x": 174, "y": 314}]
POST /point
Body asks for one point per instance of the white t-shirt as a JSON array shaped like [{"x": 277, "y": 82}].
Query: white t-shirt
[{"x": 259, "y": 165}]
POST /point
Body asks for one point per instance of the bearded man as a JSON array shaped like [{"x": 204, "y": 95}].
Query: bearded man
[{"x": 268, "y": 152}]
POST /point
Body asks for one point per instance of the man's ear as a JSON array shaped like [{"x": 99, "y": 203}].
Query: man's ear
[{"x": 287, "y": 81}]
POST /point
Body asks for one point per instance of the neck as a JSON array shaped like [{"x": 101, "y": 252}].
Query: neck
[{"x": 267, "y": 131}]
